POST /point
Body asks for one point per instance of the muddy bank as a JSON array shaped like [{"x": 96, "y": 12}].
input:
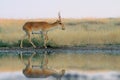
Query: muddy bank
[{"x": 88, "y": 48}]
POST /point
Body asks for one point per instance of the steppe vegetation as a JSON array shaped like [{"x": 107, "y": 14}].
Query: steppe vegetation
[{"x": 78, "y": 32}]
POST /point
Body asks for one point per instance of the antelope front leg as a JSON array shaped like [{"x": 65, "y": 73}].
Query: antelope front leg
[
  {"x": 29, "y": 37},
  {"x": 29, "y": 60},
  {"x": 44, "y": 61},
  {"x": 21, "y": 58},
  {"x": 21, "y": 43}
]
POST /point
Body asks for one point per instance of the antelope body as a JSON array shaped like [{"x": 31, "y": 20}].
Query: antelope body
[
  {"x": 44, "y": 27},
  {"x": 43, "y": 71}
]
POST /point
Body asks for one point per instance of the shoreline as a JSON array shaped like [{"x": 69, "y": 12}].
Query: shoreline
[{"x": 63, "y": 49}]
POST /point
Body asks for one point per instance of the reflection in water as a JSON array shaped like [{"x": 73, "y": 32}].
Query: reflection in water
[
  {"x": 41, "y": 70},
  {"x": 68, "y": 76},
  {"x": 79, "y": 65}
]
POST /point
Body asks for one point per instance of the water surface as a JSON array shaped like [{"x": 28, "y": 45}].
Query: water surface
[{"x": 79, "y": 65}]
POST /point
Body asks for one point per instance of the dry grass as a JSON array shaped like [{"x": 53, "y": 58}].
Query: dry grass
[
  {"x": 78, "y": 31},
  {"x": 60, "y": 61}
]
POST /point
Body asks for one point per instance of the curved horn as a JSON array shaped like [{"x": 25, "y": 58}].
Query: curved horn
[{"x": 59, "y": 16}]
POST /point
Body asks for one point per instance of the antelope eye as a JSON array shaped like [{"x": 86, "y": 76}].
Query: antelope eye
[{"x": 60, "y": 23}]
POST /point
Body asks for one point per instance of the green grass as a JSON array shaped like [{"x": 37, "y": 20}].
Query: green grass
[{"x": 26, "y": 43}]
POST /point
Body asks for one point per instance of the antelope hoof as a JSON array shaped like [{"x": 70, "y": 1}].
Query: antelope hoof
[
  {"x": 21, "y": 47},
  {"x": 34, "y": 46},
  {"x": 34, "y": 53},
  {"x": 45, "y": 47}
]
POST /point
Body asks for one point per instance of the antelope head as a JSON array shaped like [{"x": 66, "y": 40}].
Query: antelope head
[{"x": 59, "y": 21}]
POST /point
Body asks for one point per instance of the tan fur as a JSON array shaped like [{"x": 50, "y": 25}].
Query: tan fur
[
  {"x": 29, "y": 27},
  {"x": 40, "y": 72}
]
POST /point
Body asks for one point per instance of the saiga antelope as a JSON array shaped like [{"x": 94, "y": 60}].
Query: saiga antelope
[
  {"x": 43, "y": 71},
  {"x": 44, "y": 27}
]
